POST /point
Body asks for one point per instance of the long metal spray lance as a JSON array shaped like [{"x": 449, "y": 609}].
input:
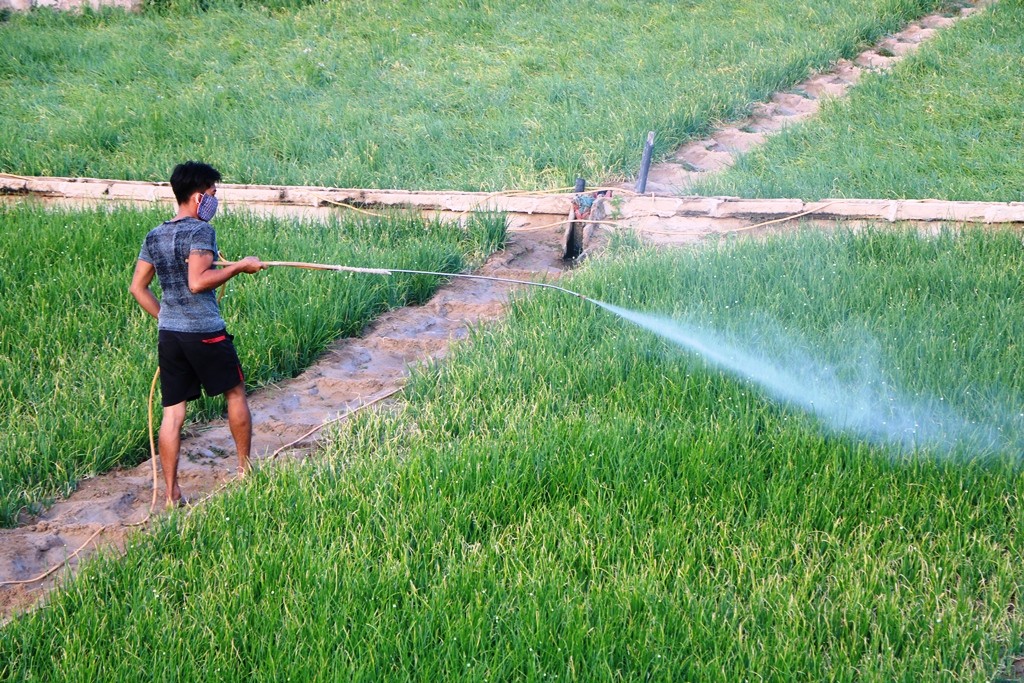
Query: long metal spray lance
[{"x": 391, "y": 271}]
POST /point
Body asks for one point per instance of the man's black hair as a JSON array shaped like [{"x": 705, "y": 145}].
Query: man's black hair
[{"x": 192, "y": 176}]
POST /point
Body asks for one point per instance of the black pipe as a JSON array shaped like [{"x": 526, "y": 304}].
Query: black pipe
[{"x": 645, "y": 164}]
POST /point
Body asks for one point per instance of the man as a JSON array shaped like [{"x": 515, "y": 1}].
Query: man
[{"x": 193, "y": 347}]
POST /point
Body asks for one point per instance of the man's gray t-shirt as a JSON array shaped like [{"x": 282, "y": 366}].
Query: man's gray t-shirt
[{"x": 167, "y": 247}]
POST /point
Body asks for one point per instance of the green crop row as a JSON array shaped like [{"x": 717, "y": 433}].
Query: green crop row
[
  {"x": 571, "y": 498},
  {"x": 945, "y": 123},
  {"x": 77, "y": 354},
  {"x": 467, "y": 95}
]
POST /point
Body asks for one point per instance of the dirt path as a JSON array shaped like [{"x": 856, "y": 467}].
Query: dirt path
[{"x": 351, "y": 373}]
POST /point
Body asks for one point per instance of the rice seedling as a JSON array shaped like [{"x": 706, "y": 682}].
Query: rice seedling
[
  {"x": 483, "y": 95},
  {"x": 944, "y": 123},
  {"x": 571, "y": 498},
  {"x": 76, "y": 354}
]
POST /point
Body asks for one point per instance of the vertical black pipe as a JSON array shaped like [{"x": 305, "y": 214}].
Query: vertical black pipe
[{"x": 645, "y": 164}]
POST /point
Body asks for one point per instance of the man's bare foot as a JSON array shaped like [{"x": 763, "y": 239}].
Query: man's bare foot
[{"x": 176, "y": 499}]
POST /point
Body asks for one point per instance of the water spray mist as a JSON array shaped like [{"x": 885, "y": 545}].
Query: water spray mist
[{"x": 864, "y": 405}]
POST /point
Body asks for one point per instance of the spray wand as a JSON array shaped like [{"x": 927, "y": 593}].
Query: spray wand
[{"x": 391, "y": 271}]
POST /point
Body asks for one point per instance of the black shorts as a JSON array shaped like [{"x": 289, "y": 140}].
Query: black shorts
[{"x": 188, "y": 360}]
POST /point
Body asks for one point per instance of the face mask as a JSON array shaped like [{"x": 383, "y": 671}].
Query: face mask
[{"x": 207, "y": 208}]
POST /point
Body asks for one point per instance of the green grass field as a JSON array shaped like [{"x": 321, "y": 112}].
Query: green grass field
[
  {"x": 77, "y": 354},
  {"x": 486, "y": 94},
  {"x": 945, "y": 124},
  {"x": 571, "y": 498},
  {"x": 568, "y": 497}
]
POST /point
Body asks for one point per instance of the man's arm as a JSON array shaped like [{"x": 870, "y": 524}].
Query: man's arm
[
  {"x": 202, "y": 276},
  {"x": 144, "y": 272}
]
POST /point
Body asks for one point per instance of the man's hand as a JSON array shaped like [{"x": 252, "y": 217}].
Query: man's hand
[
  {"x": 144, "y": 273},
  {"x": 203, "y": 276},
  {"x": 251, "y": 264}
]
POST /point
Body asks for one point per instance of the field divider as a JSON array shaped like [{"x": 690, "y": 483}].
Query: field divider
[{"x": 677, "y": 218}]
